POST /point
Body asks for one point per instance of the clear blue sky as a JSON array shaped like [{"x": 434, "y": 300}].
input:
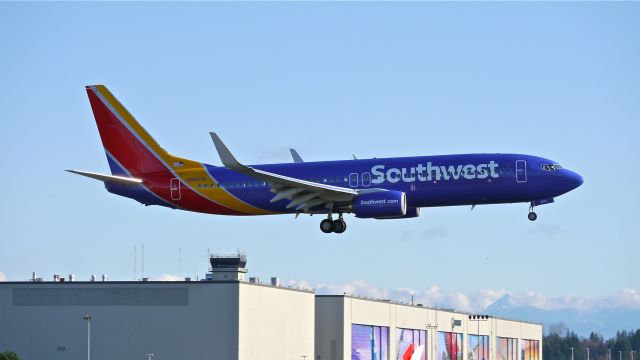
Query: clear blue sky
[{"x": 559, "y": 80}]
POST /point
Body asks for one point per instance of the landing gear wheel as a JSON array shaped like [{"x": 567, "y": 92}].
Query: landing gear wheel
[
  {"x": 339, "y": 226},
  {"x": 532, "y": 215},
  {"x": 327, "y": 226}
]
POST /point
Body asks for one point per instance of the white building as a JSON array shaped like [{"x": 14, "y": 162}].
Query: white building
[
  {"x": 226, "y": 318},
  {"x": 172, "y": 320},
  {"x": 356, "y": 328}
]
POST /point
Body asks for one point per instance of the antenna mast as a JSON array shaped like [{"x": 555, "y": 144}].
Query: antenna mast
[{"x": 135, "y": 263}]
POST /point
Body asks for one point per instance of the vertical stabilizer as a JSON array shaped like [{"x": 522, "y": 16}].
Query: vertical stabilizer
[{"x": 129, "y": 147}]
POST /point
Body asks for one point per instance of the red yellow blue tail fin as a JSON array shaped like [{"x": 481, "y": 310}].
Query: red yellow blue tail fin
[{"x": 129, "y": 147}]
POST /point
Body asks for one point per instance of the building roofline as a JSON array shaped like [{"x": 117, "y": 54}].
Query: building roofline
[
  {"x": 151, "y": 283},
  {"x": 423, "y": 307}
]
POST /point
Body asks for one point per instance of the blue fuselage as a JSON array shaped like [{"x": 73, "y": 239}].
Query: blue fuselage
[{"x": 444, "y": 180}]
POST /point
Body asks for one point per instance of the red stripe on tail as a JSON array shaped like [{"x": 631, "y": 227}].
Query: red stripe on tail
[{"x": 142, "y": 163}]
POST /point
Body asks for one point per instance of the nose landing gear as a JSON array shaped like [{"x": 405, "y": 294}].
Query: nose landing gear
[
  {"x": 329, "y": 225},
  {"x": 532, "y": 215}
]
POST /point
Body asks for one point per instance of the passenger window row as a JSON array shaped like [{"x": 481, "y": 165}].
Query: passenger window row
[{"x": 262, "y": 184}]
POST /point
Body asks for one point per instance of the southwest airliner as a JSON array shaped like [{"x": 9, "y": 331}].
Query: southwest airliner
[{"x": 384, "y": 188}]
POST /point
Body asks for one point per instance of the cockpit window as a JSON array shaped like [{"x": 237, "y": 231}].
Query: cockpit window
[{"x": 551, "y": 167}]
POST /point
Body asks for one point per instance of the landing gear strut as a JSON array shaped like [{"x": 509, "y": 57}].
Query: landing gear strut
[
  {"x": 532, "y": 215},
  {"x": 329, "y": 225}
]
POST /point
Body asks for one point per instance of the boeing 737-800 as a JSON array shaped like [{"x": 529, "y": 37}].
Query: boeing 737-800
[{"x": 384, "y": 188}]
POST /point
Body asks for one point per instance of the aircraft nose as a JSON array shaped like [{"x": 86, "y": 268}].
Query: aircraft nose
[{"x": 573, "y": 179}]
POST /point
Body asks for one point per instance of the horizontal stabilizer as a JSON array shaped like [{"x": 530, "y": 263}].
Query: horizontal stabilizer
[{"x": 108, "y": 178}]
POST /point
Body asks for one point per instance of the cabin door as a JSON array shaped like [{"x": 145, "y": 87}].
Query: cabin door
[
  {"x": 521, "y": 171},
  {"x": 366, "y": 179},
  {"x": 175, "y": 189},
  {"x": 353, "y": 180}
]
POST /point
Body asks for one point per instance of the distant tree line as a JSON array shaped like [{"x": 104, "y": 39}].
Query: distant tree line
[
  {"x": 557, "y": 346},
  {"x": 9, "y": 355}
]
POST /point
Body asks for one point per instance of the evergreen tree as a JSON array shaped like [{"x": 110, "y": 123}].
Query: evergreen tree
[
  {"x": 9, "y": 355},
  {"x": 557, "y": 346}
]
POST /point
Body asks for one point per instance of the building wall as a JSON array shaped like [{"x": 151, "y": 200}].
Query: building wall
[
  {"x": 275, "y": 323},
  {"x": 330, "y": 329},
  {"x": 336, "y": 314},
  {"x": 129, "y": 320},
  {"x": 519, "y": 330},
  {"x": 215, "y": 320}
]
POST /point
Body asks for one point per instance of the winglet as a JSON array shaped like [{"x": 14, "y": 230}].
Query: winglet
[
  {"x": 296, "y": 157},
  {"x": 276, "y": 180},
  {"x": 226, "y": 156}
]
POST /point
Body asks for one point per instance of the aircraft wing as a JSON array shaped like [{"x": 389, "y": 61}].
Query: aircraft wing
[
  {"x": 296, "y": 157},
  {"x": 302, "y": 194}
]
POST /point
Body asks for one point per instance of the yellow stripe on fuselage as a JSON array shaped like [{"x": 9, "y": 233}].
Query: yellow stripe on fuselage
[
  {"x": 195, "y": 177},
  {"x": 188, "y": 168}
]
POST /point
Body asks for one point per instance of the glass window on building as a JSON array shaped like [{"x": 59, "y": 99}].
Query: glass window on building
[
  {"x": 478, "y": 347},
  {"x": 449, "y": 346},
  {"x": 369, "y": 342},
  {"x": 507, "y": 349},
  {"x": 530, "y": 350},
  {"x": 411, "y": 344}
]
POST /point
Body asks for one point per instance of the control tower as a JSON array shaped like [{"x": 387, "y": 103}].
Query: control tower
[{"x": 228, "y": 267}]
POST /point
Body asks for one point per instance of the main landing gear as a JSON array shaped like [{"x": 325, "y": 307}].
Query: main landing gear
[
  {"x": 329, "y": 225},
  {"x": 532, "y": 215}
]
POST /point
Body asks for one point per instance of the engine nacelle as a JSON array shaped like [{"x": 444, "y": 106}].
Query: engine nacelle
[
  {"x": 380, "y": 204},
  {"x": 412, "y": 212}
]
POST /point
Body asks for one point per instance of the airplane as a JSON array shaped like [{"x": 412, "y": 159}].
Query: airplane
[{"x": 378, "y": 188}]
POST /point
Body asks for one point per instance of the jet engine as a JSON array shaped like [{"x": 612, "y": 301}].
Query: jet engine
[
  {"x": 380, "y": 204},
  {"x": 412, "y": 212}
]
